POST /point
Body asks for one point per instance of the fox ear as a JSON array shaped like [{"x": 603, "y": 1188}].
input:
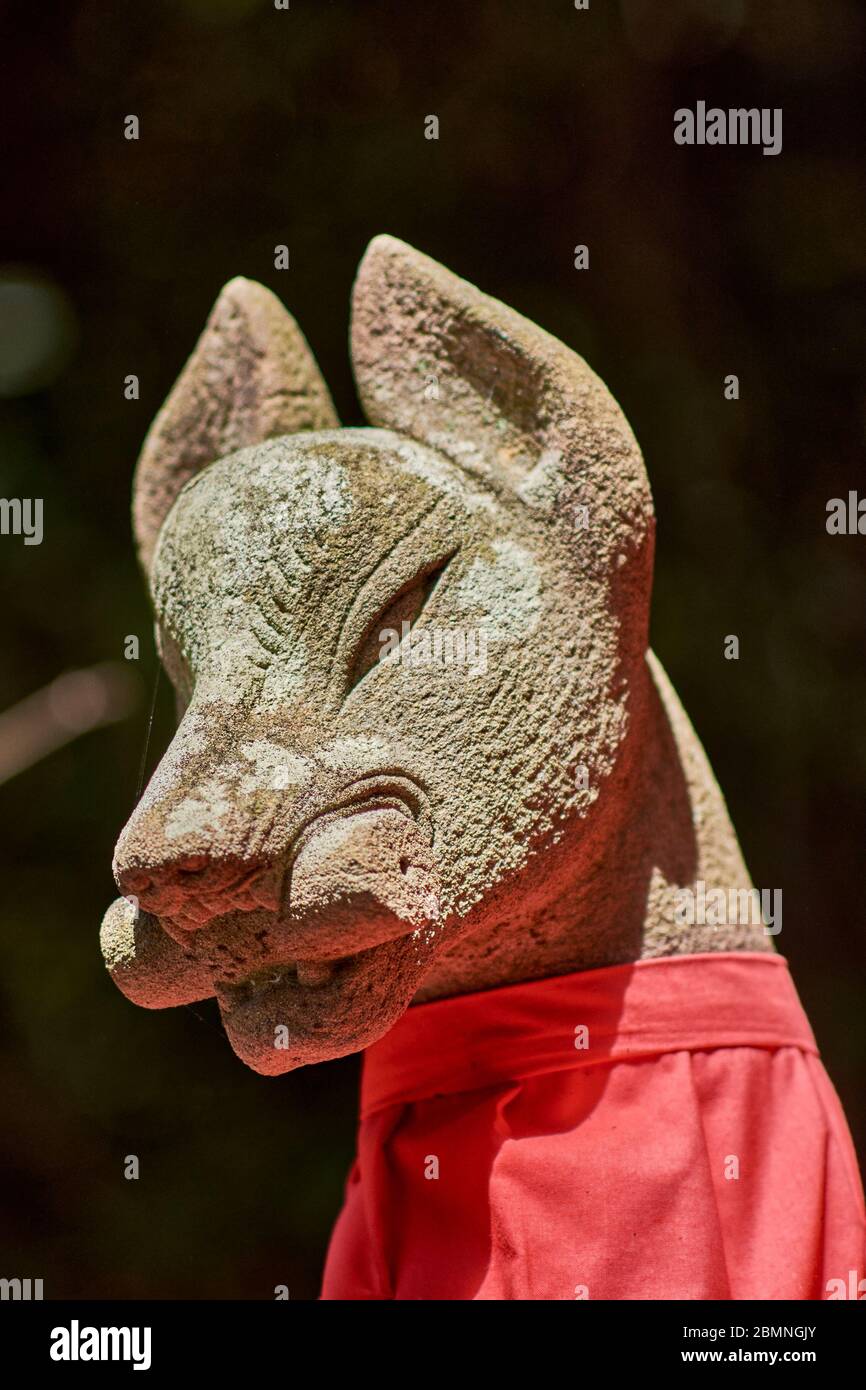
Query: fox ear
[
  {"x": 251, "y": 377},
  {"x": 438, "y": 360}
]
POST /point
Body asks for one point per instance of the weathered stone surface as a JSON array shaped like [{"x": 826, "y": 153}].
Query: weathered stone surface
[
  {"x": 250, "y": 377},
  {"x": 335, "y": 832},
  {"x": 150, "y": 968}
]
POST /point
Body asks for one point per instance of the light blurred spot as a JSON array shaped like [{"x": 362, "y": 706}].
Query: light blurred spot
[
  {"x": 37, "y": 331},
  {"x": 71, "y": 705},
  {"x": 681, "y": 31}
]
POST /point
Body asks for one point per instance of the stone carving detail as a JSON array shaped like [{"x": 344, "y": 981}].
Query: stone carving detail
[{"x": 424, "y": 748}]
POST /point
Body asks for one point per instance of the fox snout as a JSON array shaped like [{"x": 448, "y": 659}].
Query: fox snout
[
  {"x": 345, "y": 866},
  {"x": 192, "y": 889},
  {"x": 319, "y": 878}
]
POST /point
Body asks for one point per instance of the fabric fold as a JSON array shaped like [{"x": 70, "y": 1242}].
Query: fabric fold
[{"x": 658, "y": 1130}]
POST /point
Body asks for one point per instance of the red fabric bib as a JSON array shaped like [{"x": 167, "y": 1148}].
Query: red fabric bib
[{"x": 659, "y": 1130}]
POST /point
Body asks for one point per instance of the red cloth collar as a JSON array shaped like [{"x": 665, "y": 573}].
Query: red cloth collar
[{"x": 647, "y": 1007}]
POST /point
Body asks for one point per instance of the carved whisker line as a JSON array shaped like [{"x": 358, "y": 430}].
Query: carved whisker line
[
  {"x": 281, "y": 582},
  {"x": 263, "y": 629},
  {"x": 371, "y": 574}
]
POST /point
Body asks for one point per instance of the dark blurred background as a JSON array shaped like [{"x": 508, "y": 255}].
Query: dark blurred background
[{"x": 306, "y": 127}]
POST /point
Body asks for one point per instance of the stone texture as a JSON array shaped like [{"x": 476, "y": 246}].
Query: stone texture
[
  {"x": 250, "y": 377},
  {"x": 335, "y": 833}
]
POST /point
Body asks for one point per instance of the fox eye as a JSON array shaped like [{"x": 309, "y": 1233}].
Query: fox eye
[{"x": 405, "y": 607}]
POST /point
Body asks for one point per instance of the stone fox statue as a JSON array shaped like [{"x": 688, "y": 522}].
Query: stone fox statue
[{"x": 363, "y": 836}]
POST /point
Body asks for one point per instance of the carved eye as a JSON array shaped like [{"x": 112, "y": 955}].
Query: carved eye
[{"x": 406, "y": 607}]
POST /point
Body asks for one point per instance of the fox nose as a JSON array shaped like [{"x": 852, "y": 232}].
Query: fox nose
[
  {"x": 141, "y": 881},
  {"x": 192, "y": 889}
]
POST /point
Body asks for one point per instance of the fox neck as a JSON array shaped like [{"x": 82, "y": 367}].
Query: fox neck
[{"x": 660, "y": 831}]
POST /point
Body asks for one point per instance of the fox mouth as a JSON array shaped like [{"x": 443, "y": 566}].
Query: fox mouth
[
  {"x": 300, "y": 950},
  {"x": 338, "y": 933},
  {"x": 376, "y": 792},
  {"x": 275, "y": 1022},
  {"x": 295, "y": 974},
  {"x": 247, "y": 888}
]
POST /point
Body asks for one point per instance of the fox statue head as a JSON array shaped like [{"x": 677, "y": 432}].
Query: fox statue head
[{"x": 411, "y": 664}]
